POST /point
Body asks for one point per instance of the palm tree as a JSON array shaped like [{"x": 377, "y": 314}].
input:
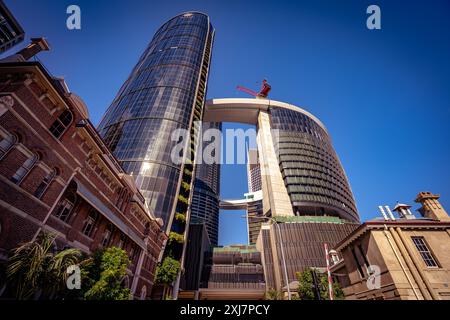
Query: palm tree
[{"x": 35, "y": 270}]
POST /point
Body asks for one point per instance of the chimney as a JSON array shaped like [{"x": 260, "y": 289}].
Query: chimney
[
  {"x": 403, "y": 211},
  {"x": 391, "y": 215},
  {"x": 37, "y": 45},
  {"x": 431, "y": 207},
  {"x": 383, "y": 213}
]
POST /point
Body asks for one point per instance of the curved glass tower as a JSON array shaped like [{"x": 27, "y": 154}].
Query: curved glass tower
[
  {"x": 313, "y": 175},
  {"x": 165, "y": 91}
]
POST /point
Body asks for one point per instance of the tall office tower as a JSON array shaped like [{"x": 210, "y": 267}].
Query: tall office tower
[
  {"x": 255, "y": 207},
  {"x": 254, "y": 220},
  {"x": 11, "y": 33},
  {"x": 253, "y": 171},
  {"x": 323, "y": 208},
  {"x": 205, "y": 200},
  {"x": 165, "y": 92},
  {"x": 313, "y": 175}
]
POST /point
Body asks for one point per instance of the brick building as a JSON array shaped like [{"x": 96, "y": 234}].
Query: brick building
[{"x": 56, "y": 175}]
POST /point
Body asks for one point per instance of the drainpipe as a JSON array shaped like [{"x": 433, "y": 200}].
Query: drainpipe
[
  {"x": 386, "y": 233},
  {"x": 44, "y": 222},
  {"x": 416, "y": 264}
]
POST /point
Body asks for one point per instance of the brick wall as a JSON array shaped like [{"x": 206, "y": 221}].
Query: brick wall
[{"x": 74, "y": 157}]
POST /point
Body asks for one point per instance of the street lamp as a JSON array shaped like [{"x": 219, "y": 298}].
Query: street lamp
[{"x": 274, "y": 222}]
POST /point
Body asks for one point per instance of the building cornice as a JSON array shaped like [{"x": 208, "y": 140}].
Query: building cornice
[{"x": 379, "y": 225}]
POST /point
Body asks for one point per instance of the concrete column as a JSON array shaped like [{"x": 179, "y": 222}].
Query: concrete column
[{"x": 275, "y": 197}]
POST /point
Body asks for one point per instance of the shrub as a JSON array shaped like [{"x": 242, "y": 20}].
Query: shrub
[
  {"x": 180, "y": 217},
  {"x": 176, "y": 237}
]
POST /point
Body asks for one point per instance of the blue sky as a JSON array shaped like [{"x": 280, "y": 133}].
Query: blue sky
[{"x": 383, "y": 95}]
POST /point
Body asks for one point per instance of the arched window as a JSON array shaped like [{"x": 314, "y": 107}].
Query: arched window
[
  {"x": 65, "y": 207},
  {"x": 122, "y": 241},
  {"x": 43, "y": 186},
  {"x": 107, "y": 235},
  {"x": 89, "y": 223},
  {"x": 126, "y": 281},
  {"x": 61, "y": 124},
  {"x": 6, "y": 143},
  {"x": 24, "y": 169},
  {"x": 143, "y": 293}
]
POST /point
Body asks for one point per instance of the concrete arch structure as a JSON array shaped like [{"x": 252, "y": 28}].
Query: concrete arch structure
[{"x": 244, "y": 110}]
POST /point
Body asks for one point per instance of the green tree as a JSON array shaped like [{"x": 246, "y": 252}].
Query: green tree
[
  {"x": 306, "y": 290},
  {"x": 109, "y": 286},
  {"x": 273, "y": 294},
  {"x": 90, "y": 273},
  {"x": 167, "y": 272},
  {"x": 36, "y": 270}
]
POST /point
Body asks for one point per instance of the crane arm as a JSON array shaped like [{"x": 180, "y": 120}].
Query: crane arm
[{"x": 246, "y": 90}]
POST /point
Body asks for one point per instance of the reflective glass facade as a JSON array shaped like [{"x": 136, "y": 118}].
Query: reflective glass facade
[
  {"x": 255, "y": 220},
  {"x": 312, "y": 172},
  {"x": 158, "y": 97},
  {"x": 205, "y": 200}
]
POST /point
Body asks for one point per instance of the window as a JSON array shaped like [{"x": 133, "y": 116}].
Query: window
[
  {"x": 90, "y": 223},
  {"x": 65, "y": 207},
  {"x": 107, "y": 236},
  {"x": 143, "y": 293},
  {"x": 360, "y": 270},
  {"x": 60, "y": 125},
  {"x": 43, "y": 186},
  {"x": 123, "y": 199},
  {"x": 120, "y": 198},
  {"x": 24, "y": 169},
  {"x": 425, "y": 252},
  {"x": 366, "y": 262},
  {"x": 6, "y": 143},
  {"x": 122, "y": 241},
  {"x": 132, "y": 254}
]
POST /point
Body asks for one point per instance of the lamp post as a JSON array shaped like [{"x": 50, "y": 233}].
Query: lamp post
[
  {"x": 277, "y": 227},
  {"x": 315, "y": 284}
]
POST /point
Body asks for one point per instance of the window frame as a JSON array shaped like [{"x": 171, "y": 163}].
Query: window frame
[
  {"x": 359, "y": 267},
  {"x": 34, "y": 158},
  {"x": 426, "y": 255},
  {"x": 45, "y": 184},
  {"x": 107, "y": 236},
  {"x": 67, "y": 204},
  {"x": 10, "y": 147},
  {"x": 59, "y": 127},
  {"x": 90, "y": 221}
]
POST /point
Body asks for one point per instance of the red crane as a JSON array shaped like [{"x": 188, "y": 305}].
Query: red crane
[{"x": 263, "y": 92}]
